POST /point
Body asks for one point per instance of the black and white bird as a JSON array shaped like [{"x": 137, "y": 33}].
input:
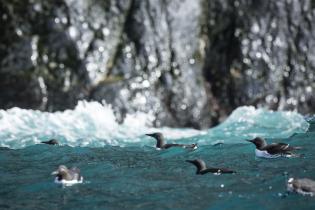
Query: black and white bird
[
  {"x": 273, "y": 150},
  {"x": 203, "y": 169},
  {"x": 160, "y": 142},
  {"x": 303, "y": 186},
  {"x": 51, "y": 142},
  {"x": 67, "y": 176}
]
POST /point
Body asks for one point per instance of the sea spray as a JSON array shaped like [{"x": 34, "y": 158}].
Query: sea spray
[
  {"x": 94, "y": 124},
  {"x": 247, "y": 122}
]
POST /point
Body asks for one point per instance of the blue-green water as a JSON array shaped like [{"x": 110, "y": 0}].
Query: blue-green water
[{"x": 122, "y": 169}]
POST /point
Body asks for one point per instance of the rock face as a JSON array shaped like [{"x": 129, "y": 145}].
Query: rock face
[{"x": 190, "y": 63}]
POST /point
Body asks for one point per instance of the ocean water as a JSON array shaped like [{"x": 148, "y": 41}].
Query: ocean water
[{"x": 123, "y": 170}]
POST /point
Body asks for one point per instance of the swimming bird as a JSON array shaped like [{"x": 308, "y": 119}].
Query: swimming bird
[
  {"x": 202, "y": 168},
  {"x": 67, "y": 176},
  {"x": 273, "y": 150},
  {"x": 51, "y": 142},
  {"x": 302, "y": 186},
  {"x": 160, "y": 142}
]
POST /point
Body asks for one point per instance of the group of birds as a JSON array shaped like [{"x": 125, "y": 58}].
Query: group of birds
[{"x": 66, "y": 176}]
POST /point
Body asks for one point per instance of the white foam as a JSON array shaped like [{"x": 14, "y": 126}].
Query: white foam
[
  {"x": 68, "y": 182},
  {"x": 247, "y": 122},
  {"x": 94, "y": 124},
  {"x": 90, "y": 124}
]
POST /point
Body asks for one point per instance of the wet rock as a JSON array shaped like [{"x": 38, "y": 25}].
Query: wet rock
[
  {"x": 189, "y": 63},
  {"x": 259, "y": 54}
]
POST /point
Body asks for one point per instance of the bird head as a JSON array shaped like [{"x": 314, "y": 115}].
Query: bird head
[
  {"x": 259, "y": 142},
  {"x": 159, "y": 138}
]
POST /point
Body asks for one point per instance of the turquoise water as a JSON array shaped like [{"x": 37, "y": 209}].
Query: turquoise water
[{"x": 122, "y": 169}]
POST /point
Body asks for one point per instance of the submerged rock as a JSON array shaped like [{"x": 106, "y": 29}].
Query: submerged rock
[{"x": 190, "y": 63}]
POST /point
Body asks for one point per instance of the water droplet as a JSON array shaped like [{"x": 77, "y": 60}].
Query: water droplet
[
  {"x": 212, "y": 22},
  {"x": 245, "y": 42},
  {"x": 278, "y": 42},
  {"x": 91, "y": 67},
  {"x": 106, "y": 31},
  {"x": 237, "y": 32},
  {"x": 64, "y": 20},
  {"x": 138, "y": 67},
  {"x": 52, "y": 65},
  {"x": 176, "y": 71},
  {"x": 152, "y": 59},
  {"x": 45, "y": 58},
  {"x": 57, "y": 20},
  {"x": 127, "y": 48},
  {"x": 37, "y": 7},
  {"x": 85, "y": 25},
  {"x": 96, "y": 25},
  {"x": 246, "y": 60},
  {"x": 258, "y": 55},
  {"x": 19, "y": 32},
  {"x": 73, "y": 32},
  {"x": 133, "y": 85},
  {"x": 146, "y": 83},
  {"x": 128, "y": 55},
  {"x": 222, "y": 185},
  {"x": 255, "y": 28},
  {"x": 4, "y": 17},
  {"x": 191, "y": 61},
  {"x": 101, "y": 49},
  {"x": 183, "y": 106}
]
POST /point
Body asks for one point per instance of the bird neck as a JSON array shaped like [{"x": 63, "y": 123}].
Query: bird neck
[
  {"x": 160, "y": 142},
  {"x": 261, "y": 145},
  {"x": 65, "y": 175}
]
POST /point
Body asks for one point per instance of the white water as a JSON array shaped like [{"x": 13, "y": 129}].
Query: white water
[{"x": 94, "y": 124}]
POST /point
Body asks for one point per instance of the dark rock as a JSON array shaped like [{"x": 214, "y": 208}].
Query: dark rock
[
  {"x": 190, "y": 63},
  {"x": 260, "y": 54}
]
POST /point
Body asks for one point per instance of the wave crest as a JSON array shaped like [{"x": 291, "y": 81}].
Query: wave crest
[{"x": 94, "y": 124}]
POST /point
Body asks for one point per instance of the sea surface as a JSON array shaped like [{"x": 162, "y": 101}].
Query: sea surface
[{"x": 123, "y": 170}]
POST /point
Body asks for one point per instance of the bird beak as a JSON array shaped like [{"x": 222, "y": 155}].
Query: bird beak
[
  {"x": 249, "y": 140},
  {"x": 189, "y": 161},
  {"x": 55, "y": 173},
  {"x": 149, "y": 135}
]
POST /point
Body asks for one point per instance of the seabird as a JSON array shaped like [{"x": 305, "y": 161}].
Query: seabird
[
  {"x": 51, "y": 142},
  {"x": 160, "y": 142},
  {"x": 202, "y": 168},
  {"x": 67, "y": 176},
  {"x": 302, "y": 186},
  {"x": 273, "y": 150}
]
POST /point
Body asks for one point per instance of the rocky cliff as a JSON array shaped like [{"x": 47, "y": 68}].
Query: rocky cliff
[{"x": 190, "y": 63}]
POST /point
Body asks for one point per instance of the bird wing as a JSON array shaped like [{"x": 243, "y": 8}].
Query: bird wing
[
  {"x": 166, "y": 146},
  {"x": 75, "y": 173},
  {"x": 278, "y": 148},
  {"x": 307, "y": 185}
]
